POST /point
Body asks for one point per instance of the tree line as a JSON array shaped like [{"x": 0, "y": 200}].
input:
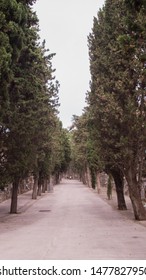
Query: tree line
[
  {"x": 110, "y": 135},
  {"x": 32, "y": 139}
]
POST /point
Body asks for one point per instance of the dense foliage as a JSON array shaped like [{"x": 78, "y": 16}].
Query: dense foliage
[
  {"x": 110, "y": 135},
  {"x": 29, "y": 137},
  {"x": 116, "y": 101}
]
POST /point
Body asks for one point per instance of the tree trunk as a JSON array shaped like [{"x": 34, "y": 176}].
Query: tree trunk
[
  {"x": 44, "y": 185},
  {"x": 134, "y": 192},
  {"x": 89, "y": 178},
  {"x": 119, "y": 183},
  {"x": 98, "y": 185},
  {"x": 109, "y": 187},
  {"x": 50, "y": 184},
  {"x": 35, "y": 187},
  {"x": 93, "y": 178},
  {"x": 84, "y": 177},
  {"x": 39, "y": 192},
  {"x": 13, "y": 208},
  {"x": 56, "y": 178}
]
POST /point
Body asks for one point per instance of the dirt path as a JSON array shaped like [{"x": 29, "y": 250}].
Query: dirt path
[{"x": 73, "y": 222}]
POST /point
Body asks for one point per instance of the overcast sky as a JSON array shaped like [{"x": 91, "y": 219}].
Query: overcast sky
[{"x": 65, "y": 25}]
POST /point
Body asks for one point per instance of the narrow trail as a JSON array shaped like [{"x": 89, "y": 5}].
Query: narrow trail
[{"x": 73, "y": 222}]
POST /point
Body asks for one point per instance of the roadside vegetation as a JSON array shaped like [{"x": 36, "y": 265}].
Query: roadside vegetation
[
  {"x": 110, "y": 135},
  {"x": 32, "y": 140}
]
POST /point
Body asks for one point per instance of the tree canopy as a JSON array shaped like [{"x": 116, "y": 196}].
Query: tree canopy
[
  {"x": 28, "y": 100},
  {"x": 117, "y": 97}
]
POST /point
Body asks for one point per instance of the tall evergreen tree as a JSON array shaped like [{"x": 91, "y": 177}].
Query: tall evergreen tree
[
  {"x": 29, "y": 96},
  {"x": 116, "y": 95},
  {"x": 12, "y": 16}
]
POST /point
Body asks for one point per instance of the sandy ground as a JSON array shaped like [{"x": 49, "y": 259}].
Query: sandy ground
[{"x": 73, "y": 222}]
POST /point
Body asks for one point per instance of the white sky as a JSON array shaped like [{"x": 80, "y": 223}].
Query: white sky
[{"x": 65, "y": 25}]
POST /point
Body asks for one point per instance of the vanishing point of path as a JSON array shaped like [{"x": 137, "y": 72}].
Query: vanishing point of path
[{"x": 73, "y": 222}]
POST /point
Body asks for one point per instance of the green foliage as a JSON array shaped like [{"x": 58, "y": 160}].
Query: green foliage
[
  {"x": 79, "y": 144},
  {"x": 29, "y": 95},
  {"x": 115, "y": 86},
  {"x": 61, "y": 149},
  {"x": 116, "y": 102},
  {"x": 66, "y": 150}
]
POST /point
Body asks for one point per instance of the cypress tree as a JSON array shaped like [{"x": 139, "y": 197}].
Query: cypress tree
[
  {"x": 116, "y": 100},
  {"x": 30, "y": 96}
]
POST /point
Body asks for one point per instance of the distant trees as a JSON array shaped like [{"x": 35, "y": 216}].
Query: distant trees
[
  {"x": 28, "y": 102},
  {"x": 61, "y": 151},
  {"x": 79, "y": 146}
]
